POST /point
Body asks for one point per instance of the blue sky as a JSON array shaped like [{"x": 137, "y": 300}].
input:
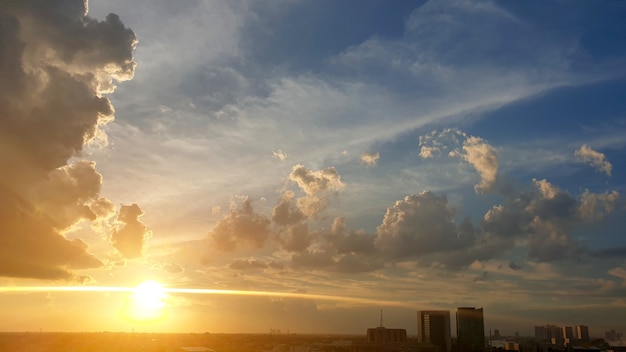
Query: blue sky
[{"x": 426, "y": 154}]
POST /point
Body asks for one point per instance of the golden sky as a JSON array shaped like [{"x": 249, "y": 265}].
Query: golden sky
[{"x": 300, "y": 165}]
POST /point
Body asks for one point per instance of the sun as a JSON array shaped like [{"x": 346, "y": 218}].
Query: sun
[{"x": 146, "y": 303}]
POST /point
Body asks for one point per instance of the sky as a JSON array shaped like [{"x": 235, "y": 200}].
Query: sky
[{"x": 335, "y": 157}]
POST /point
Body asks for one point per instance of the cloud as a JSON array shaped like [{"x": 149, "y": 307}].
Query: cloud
[
  {"x": 353, "y": 243},
  {"x": 70, "y": 194},
  {"x": 483, "y": 157},
  {"x": 420, "y": 224},
  {"x": 427, "y": 152},
  {"x": 319, "y": 186},
  {"x": 620, "y": 302},
  {"x": 593, "y": 206},
  {"x": 56, "y": 65},
  {"x": 313, "y": 259},
  {"x": 31, "y": 247},
  {"x": 551, "y": 240},
  {"x": 339, "y": 226},
  {"x": 249, "y": 264},
  {"x": 286, "y": 212},
  {"x": 594, "y": 158},
  {"x": 131, "y": 234},
  {"x": 545, "y": 216},
  {"x": 297, "y": 238},
  {"x": 539, "y": 220},
  {"x": 280, "y": 155},
  {"x": 483, "y": 277},
  {"x": 173, "y": 268},
  {"x": 475, "y": 150},
  {"x": 333, "y": 251},
  {"x": 241, "y": 226},
  {"x": 618, "y": 272},
  {"x": 610, "y": 252},
  {"x": 370, "y": 158}
]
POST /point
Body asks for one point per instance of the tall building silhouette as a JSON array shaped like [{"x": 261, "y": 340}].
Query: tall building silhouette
[
  {"x": 470, "y": 329},
  {"x": 568, "y": 334},
  {"x": 582, "y": 333},
  {"x": 433, "y": 326},
  {"x": 554, "y": 334}
]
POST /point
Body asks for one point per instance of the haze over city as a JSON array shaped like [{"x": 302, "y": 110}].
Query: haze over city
[{"x": 299, "y": 165}]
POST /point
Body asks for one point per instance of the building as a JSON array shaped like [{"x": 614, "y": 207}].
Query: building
[
  {"x": 496, "y": 334},
  {"x": 511, "y": 346},
  {"x": 384, "y": 335},
  {"x": 582, "y": 333},
  {"x": 568, "y": 334},
  {"x": 554, "y": 334},
  {"x": 433, "y": 326},
  {"x": 550, "y": 333},
  {"x": 540, "y": 333},
  {"x": 381, "y": 339},
  {"x": 612, "y": 335},
  {"x": 470, "y": 329}
]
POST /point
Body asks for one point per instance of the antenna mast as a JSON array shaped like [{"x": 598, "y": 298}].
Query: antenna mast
[{"x": 381, "y": 318}]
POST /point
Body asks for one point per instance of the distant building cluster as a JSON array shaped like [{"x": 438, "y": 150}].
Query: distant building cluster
[
  {"x": 613, "y": 335},
  {"x": 562, "y": 335},
  {"x": 434, "y": 334}
]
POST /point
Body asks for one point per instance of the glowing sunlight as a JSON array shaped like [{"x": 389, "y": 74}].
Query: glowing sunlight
[{"x": 146, "y": 303}]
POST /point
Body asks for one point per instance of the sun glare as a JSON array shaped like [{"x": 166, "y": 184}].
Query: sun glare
[{"x": 146, "y": 303}]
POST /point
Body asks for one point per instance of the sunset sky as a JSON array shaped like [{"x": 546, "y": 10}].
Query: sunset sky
[{"x": 396, "y": 155}]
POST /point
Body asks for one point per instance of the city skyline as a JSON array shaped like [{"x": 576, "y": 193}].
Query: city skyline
[{"x": 211, "y": 165}]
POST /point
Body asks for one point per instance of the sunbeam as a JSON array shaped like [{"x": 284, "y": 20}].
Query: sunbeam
[{"x": 203, "y": 291}]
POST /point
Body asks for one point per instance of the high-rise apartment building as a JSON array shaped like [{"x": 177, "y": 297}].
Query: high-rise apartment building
[
  {"x": 540, "y": 333},
  {"x": 470, "y": 329},
  {"x": 552, "y": 333},
  {"x": 582, "y": 333},
  {"x": 434, "y": 326},
  {"x": 568, "y": 334}
]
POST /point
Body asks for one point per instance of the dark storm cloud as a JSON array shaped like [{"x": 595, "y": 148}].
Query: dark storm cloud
[{"x": 56, "y": 64}]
